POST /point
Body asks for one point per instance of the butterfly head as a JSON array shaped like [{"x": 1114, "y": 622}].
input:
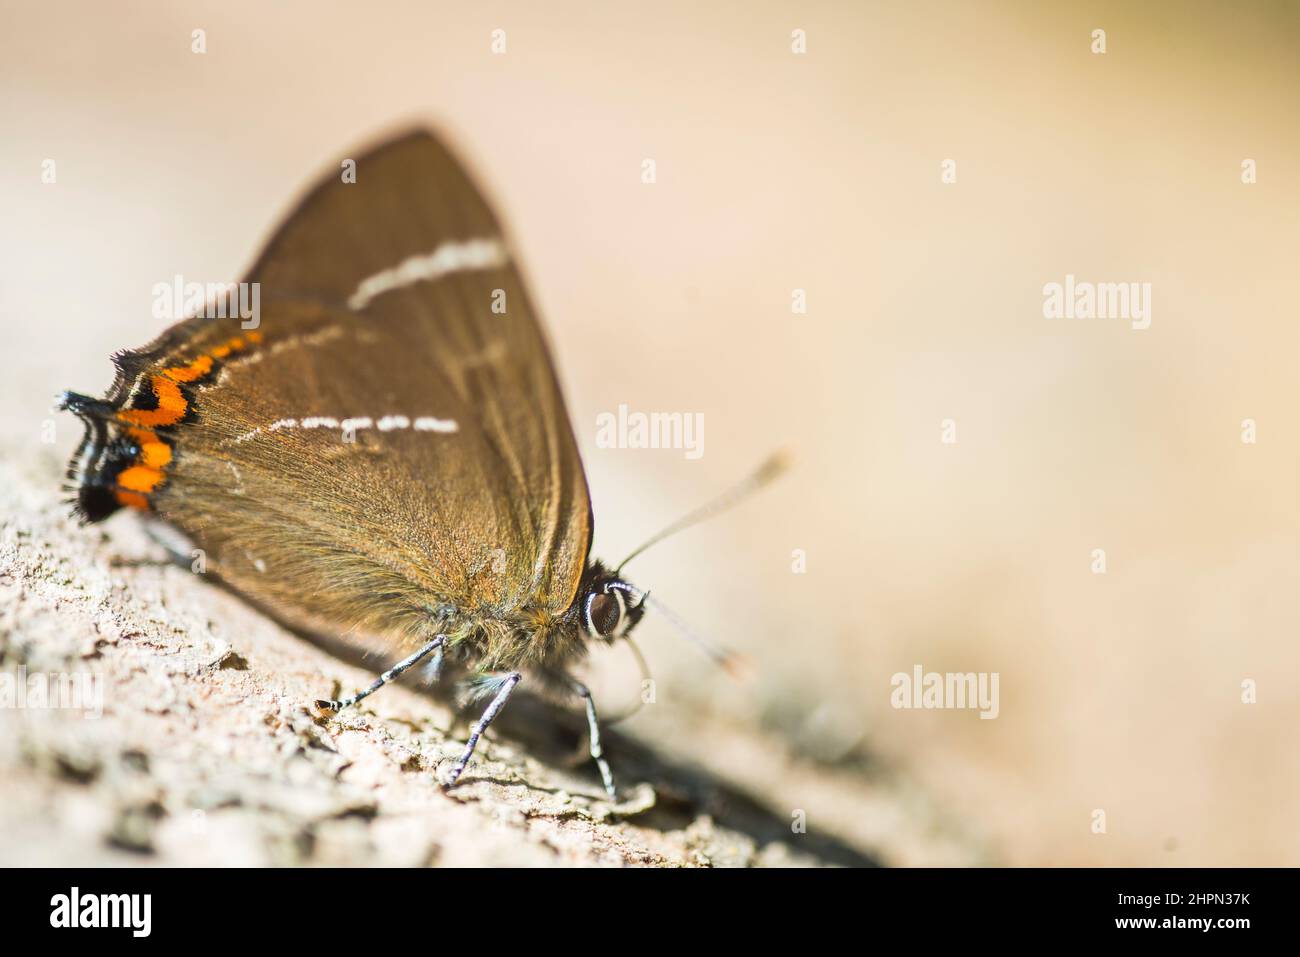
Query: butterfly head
[{"x": 609, "y": 606}]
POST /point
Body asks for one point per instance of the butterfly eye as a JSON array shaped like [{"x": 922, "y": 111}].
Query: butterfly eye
[{"x": 603, "y": 613}]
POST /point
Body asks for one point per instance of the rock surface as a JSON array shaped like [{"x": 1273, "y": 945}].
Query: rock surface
[{"x": 207, "y": 750}]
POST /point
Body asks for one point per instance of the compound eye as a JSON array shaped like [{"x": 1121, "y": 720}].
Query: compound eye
[{"x": 603, "y": 613}]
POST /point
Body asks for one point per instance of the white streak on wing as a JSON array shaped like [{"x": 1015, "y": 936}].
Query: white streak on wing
[
  {"x": 450, "y": 257},
  {"x": 430, "y": 424},
  {"x": 387, "y": 423},
  {"x": 280, "y": 345},
  {"x": 273, "y": 427}
]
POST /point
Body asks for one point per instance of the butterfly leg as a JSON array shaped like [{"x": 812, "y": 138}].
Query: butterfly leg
[
  {"x": 597, "y": 753},
  {"x": 508, "y": 683},
  {"x": 397, "y": 669}
]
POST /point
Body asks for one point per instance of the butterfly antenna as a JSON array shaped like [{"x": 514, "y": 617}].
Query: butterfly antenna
[
  {"x": 765, "y": 473},
  {"x": 734, "y": 664}
]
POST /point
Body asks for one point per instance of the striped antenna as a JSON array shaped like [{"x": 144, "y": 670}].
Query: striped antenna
[{"x": 765, "y": 473}]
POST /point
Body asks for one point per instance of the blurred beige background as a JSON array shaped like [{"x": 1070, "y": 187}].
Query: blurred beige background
[{"x": 820, "y": 171}]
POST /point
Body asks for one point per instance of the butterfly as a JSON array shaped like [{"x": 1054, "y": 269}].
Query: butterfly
[{"x": 382, "y": 452}]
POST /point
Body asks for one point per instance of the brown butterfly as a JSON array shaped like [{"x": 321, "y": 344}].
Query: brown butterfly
[{"x": 383, "y": 452}]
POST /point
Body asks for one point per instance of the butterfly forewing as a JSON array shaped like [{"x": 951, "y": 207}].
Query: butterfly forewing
[{"x": 391, "y": 440}]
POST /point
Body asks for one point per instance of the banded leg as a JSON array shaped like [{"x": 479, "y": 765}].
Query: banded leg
[
  {"x": 492, "y": 710},
  {"x": 597, "y": 753},
  {"x": 393, "y": 672}
]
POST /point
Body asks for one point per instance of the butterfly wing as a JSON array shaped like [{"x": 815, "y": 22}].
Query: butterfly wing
[{"x": 390, "y": 442}]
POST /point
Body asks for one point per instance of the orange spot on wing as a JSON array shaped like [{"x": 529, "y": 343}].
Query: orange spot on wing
[
  {"x": 145, "y": 473},
  {"x": 139, "y": 478},
  {"x": 154, "y": 452},
  {"x": 155, "y": 455},
  {"x": 171, "y": 406},
  {"x": 188, "y": 373},
  {"x": 131, "y": 499}
]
